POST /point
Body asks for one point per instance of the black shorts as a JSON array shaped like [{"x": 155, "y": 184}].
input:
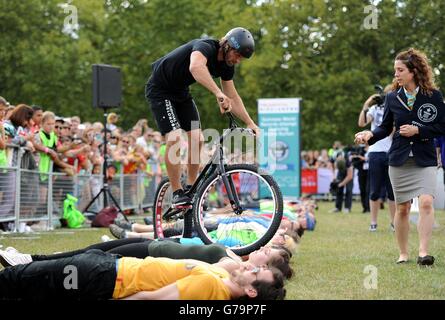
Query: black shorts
[{"x": 172, "y": 112}]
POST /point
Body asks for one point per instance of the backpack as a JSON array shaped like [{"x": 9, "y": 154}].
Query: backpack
[
  {"x": 71, "y": 216},
  {"x": 105, "y": 217}
]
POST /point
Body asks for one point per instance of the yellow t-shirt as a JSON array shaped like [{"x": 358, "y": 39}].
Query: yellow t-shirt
[{"x": 195, "y": 281}]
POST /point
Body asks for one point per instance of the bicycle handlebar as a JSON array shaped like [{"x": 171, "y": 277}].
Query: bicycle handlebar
[
  {"x": 232, "y": 122},
  {"x": 234, "y": 125}
]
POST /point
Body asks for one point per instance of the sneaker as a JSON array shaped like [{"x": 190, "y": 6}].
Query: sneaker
[
  {"x": 373, "y": 227},
  {"x": 10, "y": 258},
  {"x": 391, "y": 226},
  {"x": 148, "y": 221},
  {"x": 187, "y": 188},
  {"x": 334, "y": 210},
  {"x": 180, "y": 199},
  {"x": 124, "y": 224},
  {"x": 117, "y": 231},
  {"x": 12, "y": 250},
  {"x": 105, "y": 238},
  {"x": 346, "y": 210}
]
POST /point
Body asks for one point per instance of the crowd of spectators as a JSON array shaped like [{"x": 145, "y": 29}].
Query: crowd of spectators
[{"x": 67, "y": 145}]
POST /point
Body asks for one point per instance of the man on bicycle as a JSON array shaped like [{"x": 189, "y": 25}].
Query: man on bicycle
[{"x": 173, "y": 107}]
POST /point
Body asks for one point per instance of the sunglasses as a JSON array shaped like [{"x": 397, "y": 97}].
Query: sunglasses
[{"x": 256, "y": 270}]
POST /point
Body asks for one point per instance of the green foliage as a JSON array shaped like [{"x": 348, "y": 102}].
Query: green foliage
[{"x": 317, "y": 50}]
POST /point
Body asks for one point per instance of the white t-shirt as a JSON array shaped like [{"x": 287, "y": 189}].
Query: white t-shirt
[
  {"x": 141, "y": 141},
  {"x": 377, "y": 117}
]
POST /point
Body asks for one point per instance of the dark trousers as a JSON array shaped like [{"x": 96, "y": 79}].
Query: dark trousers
[
  {"x": 364, "y": 189},
  {"x": 88, "y": 276},
  {"x": 346, "y": 193},
  {"x": 131, "y": 247},
  {"x": 379, "y": 176}
]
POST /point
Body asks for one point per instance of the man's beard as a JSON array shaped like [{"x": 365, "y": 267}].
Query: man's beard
[{"x": 230, "y": 64}]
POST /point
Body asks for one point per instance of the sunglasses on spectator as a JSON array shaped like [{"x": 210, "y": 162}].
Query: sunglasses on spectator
[
  {"x": 58, "y": 127},
  {"x": 125, "y": 141}
]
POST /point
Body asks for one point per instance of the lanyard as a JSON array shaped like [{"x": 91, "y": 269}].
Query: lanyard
[{"x": 403, "y": 103}]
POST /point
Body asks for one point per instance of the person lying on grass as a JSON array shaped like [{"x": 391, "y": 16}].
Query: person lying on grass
[
  {"x": 97, "y": 275},
  {"x": 275, "y": 256}
]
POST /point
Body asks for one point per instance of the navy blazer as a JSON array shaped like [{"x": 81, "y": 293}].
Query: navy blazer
[{"x": 428, "y": 115}]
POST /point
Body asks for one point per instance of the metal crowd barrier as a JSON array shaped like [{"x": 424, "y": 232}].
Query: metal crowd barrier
[{"x": 28, "y": 195}]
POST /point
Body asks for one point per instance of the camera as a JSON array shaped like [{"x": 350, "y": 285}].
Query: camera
[
  {"x": 379, "y": 98},
  {"x": 354, "y": 153},
  {"x": 333, "y": 187}
]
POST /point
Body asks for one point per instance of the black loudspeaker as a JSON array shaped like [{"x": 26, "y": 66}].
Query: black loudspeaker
[{"x": 107, "y": 86}]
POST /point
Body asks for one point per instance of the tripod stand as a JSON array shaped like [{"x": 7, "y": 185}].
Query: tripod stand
[{"x": 105, "y": 190}]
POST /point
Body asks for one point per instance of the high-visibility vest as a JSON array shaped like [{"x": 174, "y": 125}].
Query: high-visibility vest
[{"x": 45, "y": 160}]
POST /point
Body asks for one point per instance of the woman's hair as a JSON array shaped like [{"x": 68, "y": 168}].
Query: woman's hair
[
  {"x": 417, "y": 63},
  {"x": 300, "y": 231},
  {"x": 48, "y": 115},
  {"x": 85, "y": 135},
  {"x": 290, "y": 243},
  {"x": 20, "y": 114}
]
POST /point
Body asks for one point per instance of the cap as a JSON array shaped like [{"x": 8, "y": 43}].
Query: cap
[{"x": 310, "y": 222}]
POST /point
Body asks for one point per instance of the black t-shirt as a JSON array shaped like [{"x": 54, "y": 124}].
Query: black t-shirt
[{"x": 171, "y": 73}]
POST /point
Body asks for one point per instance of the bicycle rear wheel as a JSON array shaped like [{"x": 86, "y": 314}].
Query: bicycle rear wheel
[
  {"x": 261, "y": 199},
  {"x": 168, "y": 222}
]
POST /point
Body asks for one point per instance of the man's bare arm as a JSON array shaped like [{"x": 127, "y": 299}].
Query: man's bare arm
[
  {"x": 238, "y": 107},
  {"x": 199, "y": 71}
]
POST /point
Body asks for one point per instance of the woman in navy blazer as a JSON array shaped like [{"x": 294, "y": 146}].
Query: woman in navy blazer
[{"x": 416, "y": 109}]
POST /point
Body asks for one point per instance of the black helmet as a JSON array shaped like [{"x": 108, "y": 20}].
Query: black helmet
[{"x": 242, "y": 41}]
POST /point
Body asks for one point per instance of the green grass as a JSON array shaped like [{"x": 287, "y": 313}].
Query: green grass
[{"x": 330, "y": 262}]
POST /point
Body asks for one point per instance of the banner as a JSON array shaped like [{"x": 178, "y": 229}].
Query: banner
[
  {"x": 309, "y": 181},
  {"x": 279, "y": 153},
  {"x": 324, "y": 179}
]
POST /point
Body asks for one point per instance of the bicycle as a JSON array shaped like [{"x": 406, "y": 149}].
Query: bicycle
[{"x": 228, "y": 202}]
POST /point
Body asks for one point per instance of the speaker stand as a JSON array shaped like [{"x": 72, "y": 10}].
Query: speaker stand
[{"x": 105, "y": 190}]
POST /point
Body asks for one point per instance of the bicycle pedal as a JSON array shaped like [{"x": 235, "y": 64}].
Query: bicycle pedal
[{"x": 182, "y": 207}]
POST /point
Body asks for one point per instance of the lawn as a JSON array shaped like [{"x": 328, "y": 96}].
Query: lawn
[{"x": 341, "y": 259}]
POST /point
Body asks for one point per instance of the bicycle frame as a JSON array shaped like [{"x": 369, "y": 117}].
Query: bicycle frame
[{"x": 216, "y": 164}]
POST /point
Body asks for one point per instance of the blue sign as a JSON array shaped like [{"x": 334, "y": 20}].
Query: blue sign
[{"x": 279, "y": 152}]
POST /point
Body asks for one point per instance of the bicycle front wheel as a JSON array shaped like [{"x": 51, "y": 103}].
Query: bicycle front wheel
[{"x": 261, "y": 201}]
